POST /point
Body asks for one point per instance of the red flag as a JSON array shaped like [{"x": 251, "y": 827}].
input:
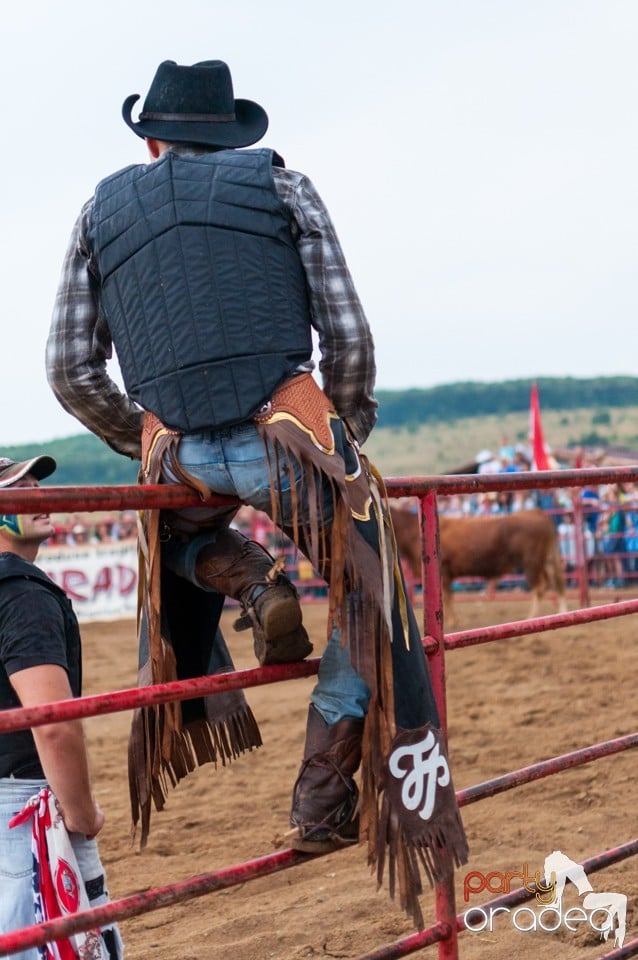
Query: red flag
[{"x": 540, "y": 460}]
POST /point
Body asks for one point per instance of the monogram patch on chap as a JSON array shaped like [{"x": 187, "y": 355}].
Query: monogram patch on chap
[{"x": 420, "y": 785}]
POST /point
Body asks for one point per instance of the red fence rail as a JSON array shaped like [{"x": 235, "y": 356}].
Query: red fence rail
[{"x": 448, "y": 925}]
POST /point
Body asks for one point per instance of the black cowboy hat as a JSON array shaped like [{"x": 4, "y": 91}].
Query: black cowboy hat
[{"x": 196, "y": 105}]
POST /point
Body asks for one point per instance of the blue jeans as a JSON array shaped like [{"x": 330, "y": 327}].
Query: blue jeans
[
  {"x": 234, "y": 462},
  {"x": 16, "y": 864}
]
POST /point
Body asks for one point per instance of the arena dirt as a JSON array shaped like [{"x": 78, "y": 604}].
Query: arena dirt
[{"x": 511, "y": 703}]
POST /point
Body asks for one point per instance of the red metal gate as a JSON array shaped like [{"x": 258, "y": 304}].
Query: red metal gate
[{"x": 448, "y": 924}]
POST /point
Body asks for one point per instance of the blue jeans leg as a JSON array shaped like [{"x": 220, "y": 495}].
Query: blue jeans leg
[
  {"x": 234, "y": 462},
  {"x": 17, "y": 908},
  {"x": 340, "y": 692}
]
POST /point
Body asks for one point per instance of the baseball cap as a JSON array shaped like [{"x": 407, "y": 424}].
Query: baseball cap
[{"x": 13, "y": 470}]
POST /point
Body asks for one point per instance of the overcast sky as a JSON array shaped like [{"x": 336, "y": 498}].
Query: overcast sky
[{"x": 479, "y": 159}]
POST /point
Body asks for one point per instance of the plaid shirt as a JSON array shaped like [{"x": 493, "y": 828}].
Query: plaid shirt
[{"x": 79, "y": 343}]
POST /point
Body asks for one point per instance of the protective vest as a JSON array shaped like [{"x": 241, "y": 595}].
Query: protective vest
[
  {"x": 18, "y": 753},
  {"x": 202, "y": 287}
]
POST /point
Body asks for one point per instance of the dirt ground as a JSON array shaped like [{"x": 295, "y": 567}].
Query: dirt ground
[{"x": 511, "y": 703}]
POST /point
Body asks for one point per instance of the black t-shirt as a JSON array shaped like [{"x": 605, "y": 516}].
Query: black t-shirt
[{"x": 37, "y": 627}]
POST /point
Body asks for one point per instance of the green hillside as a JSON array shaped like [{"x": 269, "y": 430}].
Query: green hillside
[
  {"x": 427, "y": 431},
  {"x": 453, "y": 401},
  {"x": 447, "y": 447},
  {"x": 83, "y": 460}
]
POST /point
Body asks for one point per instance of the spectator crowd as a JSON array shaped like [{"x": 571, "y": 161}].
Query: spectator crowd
[
  {"x": 610, "y": 514},
  {"x": 82, "y": 529}
]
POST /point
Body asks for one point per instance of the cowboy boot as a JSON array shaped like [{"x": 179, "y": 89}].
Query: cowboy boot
[
  {"x": 244, "y": 570},
  {"x": 324, "y": 798}
]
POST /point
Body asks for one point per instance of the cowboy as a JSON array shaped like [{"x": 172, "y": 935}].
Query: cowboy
[
  {"x": 243, "y": 569},
  {"x": 40, "y": 662},
  {"x": 208, "y": 270}
]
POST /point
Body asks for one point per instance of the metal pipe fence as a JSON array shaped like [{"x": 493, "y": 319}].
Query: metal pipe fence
[{"x": 444, "y": 932}]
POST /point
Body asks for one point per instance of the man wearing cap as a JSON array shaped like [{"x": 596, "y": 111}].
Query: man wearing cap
[
  {"x": 208, "y": 269},
  {"x": 40, "y": 662}
]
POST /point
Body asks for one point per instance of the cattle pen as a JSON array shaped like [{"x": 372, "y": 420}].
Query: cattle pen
[{"x": 448, "y": 923}]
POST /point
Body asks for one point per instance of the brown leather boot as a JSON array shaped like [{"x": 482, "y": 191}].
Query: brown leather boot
[
  {"x": 324, "y": 798},
  {"x": 244, "y": 570}
]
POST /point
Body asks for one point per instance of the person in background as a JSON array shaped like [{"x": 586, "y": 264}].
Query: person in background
[
  {"x": 631, "y": 533},
  {"x": 612, "y": 528},
  {"x": 590, "y": 497},
  {"x": 41, "y": 662},
  {"x": 103, "y": 530},
  {"x": 126, "y": 527}
]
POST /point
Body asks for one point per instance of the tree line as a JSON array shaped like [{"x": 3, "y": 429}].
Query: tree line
[
  {"x": 455, "y": 401},
  {"x": 83, "y": 460}
]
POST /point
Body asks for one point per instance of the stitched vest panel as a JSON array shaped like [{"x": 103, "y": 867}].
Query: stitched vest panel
[{"x": 201, "y": 285}]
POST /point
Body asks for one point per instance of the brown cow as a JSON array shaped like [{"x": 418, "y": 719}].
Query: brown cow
[{"x": 523, "y": 542}]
